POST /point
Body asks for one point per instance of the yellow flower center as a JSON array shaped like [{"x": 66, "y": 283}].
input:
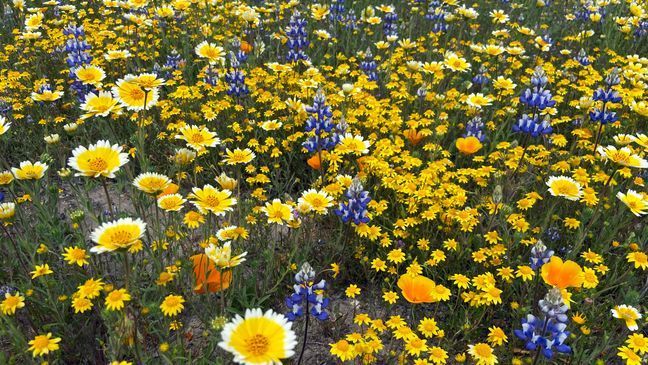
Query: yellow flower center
[
  {"x": 137, "y": 93},
  {"x": 212, "y": 201},
  {"x": 257, "y": 345},
  {"x": 483, "y": 350},
  {"x": 41, "y": 342},
  {"x": 120, "y": 237},
  {"x": 97, "y": 164},
  {"x": 12, "y": 301},
  {"x": 197, "y": 138}
]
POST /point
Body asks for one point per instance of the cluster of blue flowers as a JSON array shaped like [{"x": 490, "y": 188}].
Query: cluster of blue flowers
[
  {"x": 474, "y": 128},
  {"x": 540, "y": 255},
  {"x": 390, "y": 25},
  {"x": 582, "y": 58},
  {"x": 77, "y": 56},
  {"x": 297, "y": 38},
  {"x": 552, "y": 234},
  {"x": 172, "y": 62},
  {"x": 235, "y": 76},
  {"x": 355, "y": 209},
  {"x": 369, "y": 66},
  {"x": 547, "y": 335},
  {"x": 607, "y": 95},
  {"x": 307, "y": 294},
  {"x": 336, "y": 10},
  {"x": 480, "y": 79},
  {"x": 319, "y": 123},
  {"x": 537, "y": 98},
  {"x": 437, "y": 14}
]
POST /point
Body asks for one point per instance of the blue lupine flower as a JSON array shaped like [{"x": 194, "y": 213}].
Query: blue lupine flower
[
  {"x": 547, "y": 335},
  {"x": 77, "y": 56},
  {"x": 532, "y": 126},
  {"x": 538, "y": 96},
  {"x": 390, "y": 27},
  {"x": 236, "y": 79},
  {"x": 297, "y": 38},
  {"x": 369, "y": 66},
  {"x": 172, "y": 62},
  {"x": 211, "y": 75},
  {"x": 437, "y": 14},
  {"x": 552, "y": 234},
  {"x": 474, "y": 128},
  {"x": 582, "y": 58},
  {"x": 607, "y": 95},
  {"x": 642, "y": 29},
  {"x": 308, "y": 294},
  {"x": 355, "y": 209},
  {"x": 319, "y": 123},
  {"x": 337, "y": 10},
  {"x": 421, "y": 92},
  {"x": 480, "y": 79},
  {"x": 540, "y": 255},
  {"x": 351, "y": 20}
]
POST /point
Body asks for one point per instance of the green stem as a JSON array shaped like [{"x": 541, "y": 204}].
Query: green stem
[{"x": 110, "y": 205}]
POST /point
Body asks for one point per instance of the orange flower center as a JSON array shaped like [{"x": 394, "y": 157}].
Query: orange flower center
[
  {"x": 97, "y": 164},
  {"x": 257, "y": 345},
  {"x": 120, "y": 237}
]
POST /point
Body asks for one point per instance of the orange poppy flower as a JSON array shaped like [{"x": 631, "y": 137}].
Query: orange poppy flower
[
  {"x": 246, "y": 47},
  {"x": 171, "y": 189},
  {"x": 562, "y": 274},
  {"x": 417, "y": 288},
  {"x": 314, "y": 162},
  {"x": 414, "y": 136},
  {"x": 468, "y": 145},
  {"x": 208, "y": 278},
  {"x": 361, "y": 163}
]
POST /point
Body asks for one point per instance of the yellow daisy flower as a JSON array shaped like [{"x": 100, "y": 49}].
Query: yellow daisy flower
[{"x": 100, "y": 159}]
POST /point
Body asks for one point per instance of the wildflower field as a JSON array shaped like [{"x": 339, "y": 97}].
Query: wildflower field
[{"x": 334, "y": 182}]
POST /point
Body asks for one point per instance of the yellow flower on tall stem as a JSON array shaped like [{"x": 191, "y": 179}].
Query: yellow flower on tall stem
[
  {"x": 171, "y": 202},
  {"x": 172, "y": 305},
  {"x": 41, "y": 270},
  {"x": 622, "y": 156},
  {"x": 211, "y": 200},
  {"x": 115, "y": 299},
  {"x": 259, "y": 338},
  {"x": 7, "y": 210},
  {"x": 133, "y": 96},
  {"x": 628, "y": 314},
  {"x": 213, "y": 53},
  {"x": 119, "y": 234},
  {"x": 238, "y": 156},
  {"x": 29, "y": 170},
  {"x": 483, "y": 354},
  {"x": 89, "y": 74},
  {"x": 636, "y": 202},
  {"x": 151, "y": 183},
  {"x": 100, "y": 105},
  {"x": 12, "y": 302},
  {"x": 277, "y": 212},
  {"x": 43, "y": 344},
  {"x": 100, "y": 159},
  {"x": 198, "y": 138},
  {"x": 4, "y": 125},
  {"x": 565, "y": 187}
]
